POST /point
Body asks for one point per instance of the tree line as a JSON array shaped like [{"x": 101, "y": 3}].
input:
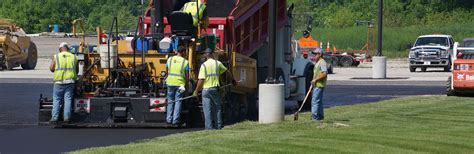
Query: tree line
[
  {"x": 36, "y": 15},
  {"x": 397, "y": 13}
]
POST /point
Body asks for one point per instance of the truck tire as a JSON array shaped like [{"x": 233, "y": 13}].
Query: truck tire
[
  {"x": 356, "y": 63},
  {"x": 346, "y": 61},
  {"x": 232, "y": 108},
  {"x": 448, "y": 68},
  {"x": 3, "y": 62},
  {"x": 252, "y": 109},
  {"x": 412, "y": 69},
  {"x": 423, "y": 69},
  {"x": 32, "y": 58},
  {"x": 309, "y": 77},
  {"x": 335, "y": 61},
  {"x": 330, "y": 69},
  {"x": 449, "y": 91}
]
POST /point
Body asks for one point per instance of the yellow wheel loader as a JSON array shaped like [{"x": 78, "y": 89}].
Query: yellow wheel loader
[{"x": 16, "y": 49}]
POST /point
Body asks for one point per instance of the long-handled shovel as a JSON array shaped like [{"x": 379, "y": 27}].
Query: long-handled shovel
[{"x": 304, "y": 101}]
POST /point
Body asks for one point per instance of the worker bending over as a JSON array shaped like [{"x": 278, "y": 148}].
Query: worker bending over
[
  {"x": 319, "y": 82},
  {"x": 177, "y": 69},
  {"x": 209, "y": 74},
  {"x": 64, "y": 67}
]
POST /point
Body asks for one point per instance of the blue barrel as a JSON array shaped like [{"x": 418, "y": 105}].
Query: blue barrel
[
  {"x": 56, "y": 28},
  {"x": 139, "y": 45}
]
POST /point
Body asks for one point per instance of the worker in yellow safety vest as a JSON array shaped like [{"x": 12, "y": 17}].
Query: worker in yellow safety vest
[
  {"x": 209, "y": 74},
  {"x": 177, "y": 69},
  {"x": 65, "y": 72},
  {"x": 318, "y": 82},
  {"x": 201, "y": 15}
]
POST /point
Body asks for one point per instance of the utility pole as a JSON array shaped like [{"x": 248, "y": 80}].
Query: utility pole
[
  {"x": 379, "y": 62},
  {"x": 272, "y": 22},
  {"x": 379, "y": 28}
]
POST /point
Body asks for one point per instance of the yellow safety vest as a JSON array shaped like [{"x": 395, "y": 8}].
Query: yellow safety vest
[
  {"x": 176, "y": 71},
  {"x": 210, "y": 71},
  {"x": 65, "y": 66},
  {"x": 191, "y": 8},
  {"x": 316, "y": 72}
]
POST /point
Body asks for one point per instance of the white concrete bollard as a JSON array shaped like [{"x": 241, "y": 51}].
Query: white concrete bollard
[
  {"x": 271, "y": 103},
  {"x": 379, "y": 67}
]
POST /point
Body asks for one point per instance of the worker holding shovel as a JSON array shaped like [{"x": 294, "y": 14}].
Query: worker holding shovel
[
  {"x": 318, "y": 82},
  {"x": 209, "y": 75}
]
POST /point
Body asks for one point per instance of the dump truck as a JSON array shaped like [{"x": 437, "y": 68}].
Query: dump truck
[
  {"x": 306, "y": 43},
  {"x": 16, "y": 49},
  {"x": 124, "y": 84},
  {"x": 461, "y": 80}
]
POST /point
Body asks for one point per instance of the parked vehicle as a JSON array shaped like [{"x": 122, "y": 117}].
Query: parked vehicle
[
  {"x": 461, "y": 80},
  {"x": 431, "y": 51}
]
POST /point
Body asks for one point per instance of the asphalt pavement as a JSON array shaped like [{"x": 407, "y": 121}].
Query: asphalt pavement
[
  {"x": 20, "y": 90},
  {"x": 19, "y": 104}
]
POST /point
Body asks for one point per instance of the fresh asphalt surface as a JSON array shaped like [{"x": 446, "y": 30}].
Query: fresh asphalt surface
[{"x": 18, "y": 114}]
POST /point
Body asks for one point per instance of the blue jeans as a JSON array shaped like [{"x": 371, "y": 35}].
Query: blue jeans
[
  {"x": 211, "y": 106},
  {"x": 173, "y": 110},
  {"x": 62, "y": 92},
  {"x": 317, "y": 107}
]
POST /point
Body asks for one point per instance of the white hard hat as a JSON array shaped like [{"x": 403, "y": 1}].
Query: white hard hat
[{"x": 63, "y": 45}]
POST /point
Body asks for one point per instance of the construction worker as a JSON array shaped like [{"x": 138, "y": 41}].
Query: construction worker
[
  {"x": 209, "y": 74},
  {"x": 191, "y": 8},
  {"x": 318, "y": 82},
  {"x": 64, "y": 67},
  {"x": 177, "y": 69}
]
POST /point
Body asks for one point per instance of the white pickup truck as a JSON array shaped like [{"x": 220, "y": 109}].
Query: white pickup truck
[{"x": 431, "y": 51}]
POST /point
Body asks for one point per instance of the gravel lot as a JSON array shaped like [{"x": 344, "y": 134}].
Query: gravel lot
[{"x": 397, "y": 69}]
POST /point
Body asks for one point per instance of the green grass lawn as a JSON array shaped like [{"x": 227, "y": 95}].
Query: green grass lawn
[{"x": 435, "y": 124}]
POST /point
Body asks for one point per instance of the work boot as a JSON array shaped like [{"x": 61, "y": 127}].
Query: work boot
[
  {"x": 168, "y": 125},
  {"x": 53, "y": 121},
  {"x": 66, "y": 121}
]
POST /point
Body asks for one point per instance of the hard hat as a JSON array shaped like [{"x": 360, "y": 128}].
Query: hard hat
[
  {"x": 63, "y": 45},
  {"x": 208, "y": 50},
  {"x": 181, "y": 49},
  {"x": 317, "y": 51}
]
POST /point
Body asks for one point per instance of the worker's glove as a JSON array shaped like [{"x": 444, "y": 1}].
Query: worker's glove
[
  {"x": 234, "y": 82},
  {"x": 195, "y": 93},
  {"x": 181, "y": 89}
]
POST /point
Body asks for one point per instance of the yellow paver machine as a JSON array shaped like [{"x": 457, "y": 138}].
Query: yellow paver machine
[{"x": 123, "y": 83}]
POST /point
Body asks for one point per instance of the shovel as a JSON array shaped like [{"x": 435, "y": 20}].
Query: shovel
[
  {"x": 304, "y": 101},
  {"x": 185, "y": 98}
]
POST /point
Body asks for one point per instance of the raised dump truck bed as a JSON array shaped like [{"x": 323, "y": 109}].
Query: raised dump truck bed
[{"x": 240, "y": 25}]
